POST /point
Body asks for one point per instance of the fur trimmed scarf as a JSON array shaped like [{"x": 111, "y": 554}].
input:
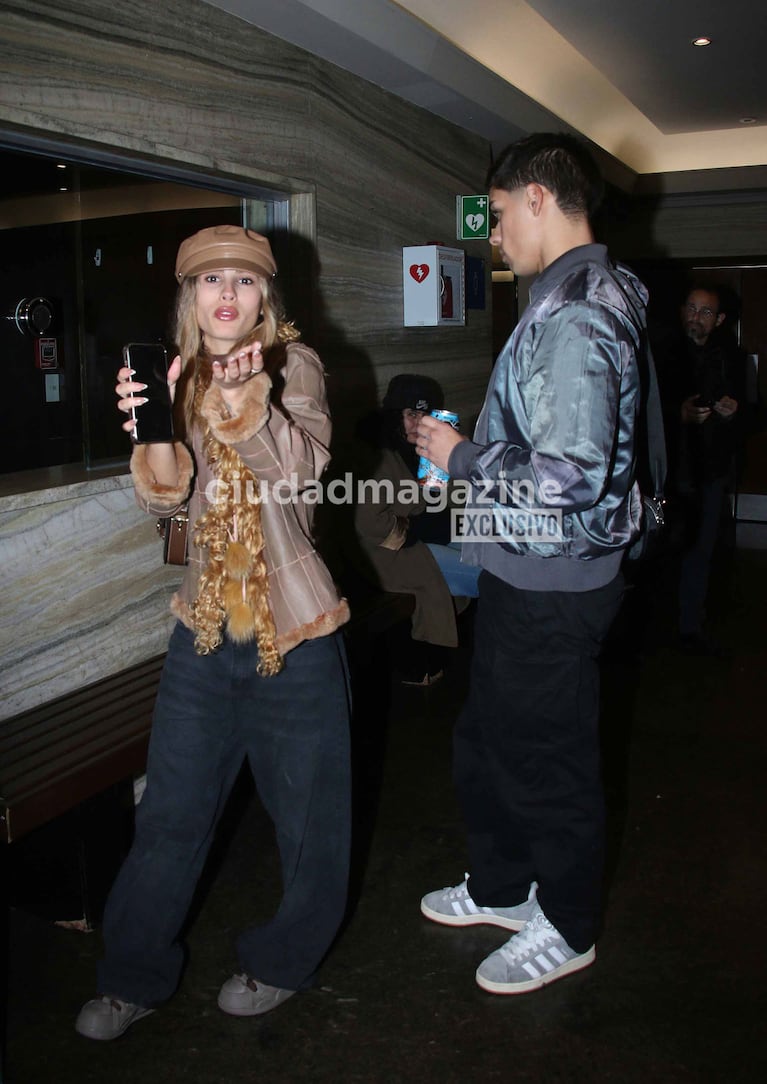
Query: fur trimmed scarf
[{"x": 234, "y": 590}]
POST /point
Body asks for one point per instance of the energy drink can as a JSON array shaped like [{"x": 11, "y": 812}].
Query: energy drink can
[{"x": 429, "y": 475}]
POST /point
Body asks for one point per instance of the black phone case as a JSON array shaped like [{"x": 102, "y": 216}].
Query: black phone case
[{"x": 154, "y": 419}]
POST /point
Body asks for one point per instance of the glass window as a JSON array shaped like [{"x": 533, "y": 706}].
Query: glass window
[{"x": 86, "y": 265}]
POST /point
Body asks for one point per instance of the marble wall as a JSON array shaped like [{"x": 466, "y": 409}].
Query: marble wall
[
  {"x": 83, "y": 587},
  {"x": 84, "y": 591},
  {"x": 726, "y": 227}
]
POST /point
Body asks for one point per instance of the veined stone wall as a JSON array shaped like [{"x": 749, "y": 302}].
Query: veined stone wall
[{"x": 83, "y": 587}]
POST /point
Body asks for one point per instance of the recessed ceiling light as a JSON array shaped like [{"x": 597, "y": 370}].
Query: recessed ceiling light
[
  {"x": 60, "y": 165},
  {"x": 65, "y": 189},
  {"x": 701, "y": 41},
  {"x": 747, "y": 120}
]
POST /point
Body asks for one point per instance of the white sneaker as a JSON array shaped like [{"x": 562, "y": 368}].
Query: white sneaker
[
  {"x": 106, "y": 1018},
  {"x": 535, "y": 956},
  {"x": 244, "y": 996},
  {"x": 455, "y": 907}
]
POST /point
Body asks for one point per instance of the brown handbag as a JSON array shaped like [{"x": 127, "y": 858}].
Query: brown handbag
[{"x": 173, "y": 531}]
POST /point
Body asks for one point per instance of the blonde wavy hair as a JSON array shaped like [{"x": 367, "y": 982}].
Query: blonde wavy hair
[{"x": 233, "y": 592}]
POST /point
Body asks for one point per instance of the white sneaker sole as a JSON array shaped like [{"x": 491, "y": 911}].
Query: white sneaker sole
[
  {"x": 472, "y": 920},
  {"x": 578, "y": 963}
]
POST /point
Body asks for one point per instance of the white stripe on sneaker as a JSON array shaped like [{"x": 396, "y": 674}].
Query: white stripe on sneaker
[{"x": 545, "y": 962}]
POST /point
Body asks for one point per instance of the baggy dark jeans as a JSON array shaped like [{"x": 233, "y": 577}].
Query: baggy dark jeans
[
  {"x": 213, "y": 711},
  {"x": 526, "y": 752}
]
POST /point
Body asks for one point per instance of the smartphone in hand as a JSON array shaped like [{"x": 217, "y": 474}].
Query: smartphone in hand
[{"x": 154, "y": 418}]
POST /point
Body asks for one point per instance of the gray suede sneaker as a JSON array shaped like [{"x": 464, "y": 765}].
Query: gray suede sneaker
[
  {"x": 106, "y": 1018},
  {"x": 243, "y": 996},
  {"x": 455, "y": 907},
  {"x": 532, "y": 958}
]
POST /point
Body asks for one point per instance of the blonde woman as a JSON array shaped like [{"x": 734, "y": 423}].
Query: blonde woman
[{"x": 255, "y": 666}]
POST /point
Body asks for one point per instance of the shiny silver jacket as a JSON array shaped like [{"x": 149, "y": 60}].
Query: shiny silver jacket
[{"x": 554, "y": 448}]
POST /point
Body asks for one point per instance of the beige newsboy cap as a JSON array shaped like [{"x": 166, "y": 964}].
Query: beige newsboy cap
[{"x": 225, "y": 246}]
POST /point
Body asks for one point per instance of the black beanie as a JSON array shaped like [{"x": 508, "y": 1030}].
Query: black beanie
[{"x": 411, "y": 392}]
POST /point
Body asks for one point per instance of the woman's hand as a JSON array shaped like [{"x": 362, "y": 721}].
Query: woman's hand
[
  {"x": 160, "y": 457},
  {"x": 238, "y": 368},
  {"x": 129, "y": 391},
  {"x": 233, "y": 374}
]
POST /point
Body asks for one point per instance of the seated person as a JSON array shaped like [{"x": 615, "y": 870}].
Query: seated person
[{"x": 404, "y": 538}]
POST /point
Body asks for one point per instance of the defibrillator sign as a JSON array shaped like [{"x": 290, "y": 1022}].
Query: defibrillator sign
[{"x": 472, "y": 218}]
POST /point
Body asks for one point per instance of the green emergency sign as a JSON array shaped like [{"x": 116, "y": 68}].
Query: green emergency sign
[{"x": 472, "y": 218}]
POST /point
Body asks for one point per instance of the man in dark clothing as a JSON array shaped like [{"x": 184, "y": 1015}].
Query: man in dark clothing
[
  {"x": 701, "y": 376},
  {"x": 554, "y": 444}
]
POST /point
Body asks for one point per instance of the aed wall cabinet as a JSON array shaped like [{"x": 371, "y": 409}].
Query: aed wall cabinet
[{"x": 434, "y": 286}]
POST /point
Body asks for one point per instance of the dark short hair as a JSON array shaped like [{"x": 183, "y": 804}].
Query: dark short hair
[
  {"x": 559, "y": 162},
  {"x": 707, "y": 288}
]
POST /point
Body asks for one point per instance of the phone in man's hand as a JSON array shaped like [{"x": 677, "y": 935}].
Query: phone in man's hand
[{"x": 154, "y": 418}]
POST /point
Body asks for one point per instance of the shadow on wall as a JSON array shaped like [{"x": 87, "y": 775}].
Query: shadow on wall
[
  {"x": 351, "y": 388},
  {"x": 350, "y": 373}
]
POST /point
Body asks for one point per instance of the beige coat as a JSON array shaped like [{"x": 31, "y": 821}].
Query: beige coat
[
  {"x": 285, "y": 443},
  {"x": 382, "y": 530}
]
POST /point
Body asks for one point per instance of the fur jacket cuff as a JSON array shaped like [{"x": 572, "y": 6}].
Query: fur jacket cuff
[
  {"x": 153, "y": 496},
  {"x": 253, "y": 411}
]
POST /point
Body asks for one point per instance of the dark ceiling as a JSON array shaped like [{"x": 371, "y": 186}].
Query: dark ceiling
[
  {"x": 23, "y": 174},
  {"x": 644, "y": 50}
]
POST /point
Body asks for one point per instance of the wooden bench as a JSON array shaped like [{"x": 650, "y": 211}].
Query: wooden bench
[
  {"x": 55, "y": 756},
  {"x": 67, "y": 764}
]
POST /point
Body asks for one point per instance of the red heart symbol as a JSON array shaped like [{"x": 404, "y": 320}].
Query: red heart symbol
[{"x": 419, "y": 271}]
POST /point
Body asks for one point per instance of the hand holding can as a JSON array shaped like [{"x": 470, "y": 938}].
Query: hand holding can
[{"x": 430, "y": 475}]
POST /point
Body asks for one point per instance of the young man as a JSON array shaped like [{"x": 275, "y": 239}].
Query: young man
[{"x": 554, "y": 444}]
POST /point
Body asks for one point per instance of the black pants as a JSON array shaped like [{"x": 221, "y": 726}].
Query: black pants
[
  {"x": 526, "y": 752},
  {"x": 705, "y": 514}
]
